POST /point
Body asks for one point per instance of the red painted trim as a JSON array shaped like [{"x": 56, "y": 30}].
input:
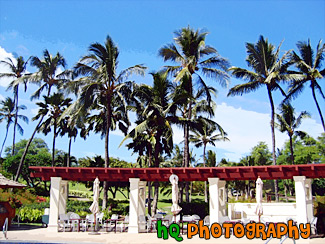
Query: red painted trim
[{"x": 184, "y": 174}]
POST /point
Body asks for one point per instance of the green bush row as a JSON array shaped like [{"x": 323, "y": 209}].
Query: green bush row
[
  {"x": 30, "y": 215},
  {"x": 77, "y": 193}
]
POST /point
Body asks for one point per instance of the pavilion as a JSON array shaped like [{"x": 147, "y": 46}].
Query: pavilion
[{"x": 216, "y": 176}]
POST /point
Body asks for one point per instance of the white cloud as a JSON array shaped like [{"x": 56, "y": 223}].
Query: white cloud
[
  {"x": 2, "y": 98},
  {"x": 4, "y": 82},
  {"x": 246, "y": 128}
]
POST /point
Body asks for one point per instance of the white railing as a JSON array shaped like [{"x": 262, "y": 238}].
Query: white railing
[{"x": 5, "y": 228}]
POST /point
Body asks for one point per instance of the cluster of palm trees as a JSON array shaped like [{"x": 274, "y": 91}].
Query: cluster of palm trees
[{"x": 179, "y": 95}]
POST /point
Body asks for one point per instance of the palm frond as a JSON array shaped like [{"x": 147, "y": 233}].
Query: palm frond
[{"x": 244, "y": 88}]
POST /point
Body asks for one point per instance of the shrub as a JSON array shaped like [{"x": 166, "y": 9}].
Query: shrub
[{"x": 30, "y": 215}]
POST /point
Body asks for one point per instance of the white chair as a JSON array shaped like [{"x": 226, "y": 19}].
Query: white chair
[
  {"x": 224, "y": 219},
  {"x": 150, "y": 224},
  {"x": 111, "y": 223},
  {"x": 74, "y": 220},
  {"x": 245, "y": 221},
  {"x": 265, "y": 220},
  {"x": 158, "y": 216},
  {"x": 206, "y": 220},
  {"x": 187, "y": 218},
  {"x": 69, "y": 214},
  {"x": 64, "y": 222},
  {"x": 124, "y": 223},
  {"x": 178, "y": 219},
  {"x": 167, "y": 220},
  {"x": 313, "y": 224},
  {"x": 90, "y": 220},
  {"x": 196, "y": 218},
  {"x": 142, "y": 222},
  {"x": 99, "y": 218}
]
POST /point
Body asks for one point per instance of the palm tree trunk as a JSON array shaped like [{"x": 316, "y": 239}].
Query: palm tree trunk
[
  {"x": 187, "y": 150},
  {"x": 155, "y": 198},
  {"x": 291, "y": 150},
  {"x": 16, "y": 121},
  {"x": 29, "y": 142},
  {"x": 205, "y": 183},
  {"x": 26, "y": 149},
  {"x": 149, "y": 182},
  {"x": 108, "y": 125},
  {"x": 53, "y": 147},
  {"x": 69, "y": 152},
  {"x": 273, "y": 140},
  {"x": 318, "y": 108},
  {"x": 4, "y": 141},
  {"x": 157, "y": 162}
]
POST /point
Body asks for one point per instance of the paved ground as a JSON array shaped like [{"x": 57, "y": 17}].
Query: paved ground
[{"x": 43, "y": 235}]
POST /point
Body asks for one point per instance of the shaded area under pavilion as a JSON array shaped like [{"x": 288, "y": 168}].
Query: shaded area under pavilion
[{"x": 216, "y": 176}]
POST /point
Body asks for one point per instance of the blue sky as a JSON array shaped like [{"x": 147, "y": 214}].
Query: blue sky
[{"x": 140, "y": 28}]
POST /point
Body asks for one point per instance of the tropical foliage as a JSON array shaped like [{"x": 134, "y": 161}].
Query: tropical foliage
[{"x": 182, "y": 94}]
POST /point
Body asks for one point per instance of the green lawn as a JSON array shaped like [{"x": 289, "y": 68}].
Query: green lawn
[{"x": 164, "y": 202}]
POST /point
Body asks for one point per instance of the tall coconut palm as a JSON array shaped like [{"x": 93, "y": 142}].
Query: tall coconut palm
[
  {"x": 201, "y": 111},
  {"x": 17, "y": 72},
  {"x": 52, "y": 107},
  {"x": 268, "y": 69},
  {"x": 49, "y": 72},
  {"x": 101, "y": 84},
  {"x": 309, "y": 65},
  {"x": 47, "y": 76},
  {"x": 154, "y": 120},
  {"x": 288, "y": 122},
  {"x": 205, "y": 135},
  {"x": 8, "y": 114},
  {"x": 195, "y": 59}
]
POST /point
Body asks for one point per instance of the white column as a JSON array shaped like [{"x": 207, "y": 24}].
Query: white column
[
  {"x": 301, "y": 200},
  {"x": 54, "y": 203},
  {"x": 309, "y": 197},
  {"x": 142, "y": 198},
  {"x": 217, "y": 204},
  {"x": 222, "y": 198},
  {"x": 134, "y": 205},
  {"x": 63, "y": 197}
]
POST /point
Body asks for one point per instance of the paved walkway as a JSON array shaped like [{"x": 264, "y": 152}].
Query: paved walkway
[{"x": 43, "y": 235}]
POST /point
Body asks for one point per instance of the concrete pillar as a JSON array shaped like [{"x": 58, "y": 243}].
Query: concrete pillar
[
  {"x": 54, "y": 203},
  {"x": 309, "y": 198},
  {"x": 134, "y": 205},
  {"x": 301, "y": 200},
  {"x": 142, "y": 198},
  {"x": 63, "y": 197},
  {"x": 217, "y": 204}
]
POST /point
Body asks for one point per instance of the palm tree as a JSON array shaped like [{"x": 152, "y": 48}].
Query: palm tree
[
  {"x": 52, "y": 107},
  {"x": 46, "y": 77},
  {"x": 289, "y": 123},
  {"x": 71, "y": 129},
  {"x": 8, "y": 114},
  {"x": 211, "y": 159},
  {"x": 48, "y": 74},
  {"x": 102, "y": 84},
  {"x": 267, "y": 70},
  {"x": 17, "y": 72},
  {"x": 190, "y": 51},
  {"x": 309, "y": 66},
  {"x": 154, "y": 120},
  {"x": 204, "y": 136}
]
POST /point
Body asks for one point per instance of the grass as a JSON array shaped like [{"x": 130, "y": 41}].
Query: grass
[{"x": 164, "y": 202}]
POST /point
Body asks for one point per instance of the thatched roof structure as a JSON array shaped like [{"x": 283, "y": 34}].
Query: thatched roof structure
[{"x": 6, "y": 183}]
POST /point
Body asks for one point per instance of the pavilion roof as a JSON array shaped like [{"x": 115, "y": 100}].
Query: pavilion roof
[
  {"x": 184, "y": 174},
  {"x": 7, "y": 183}
]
